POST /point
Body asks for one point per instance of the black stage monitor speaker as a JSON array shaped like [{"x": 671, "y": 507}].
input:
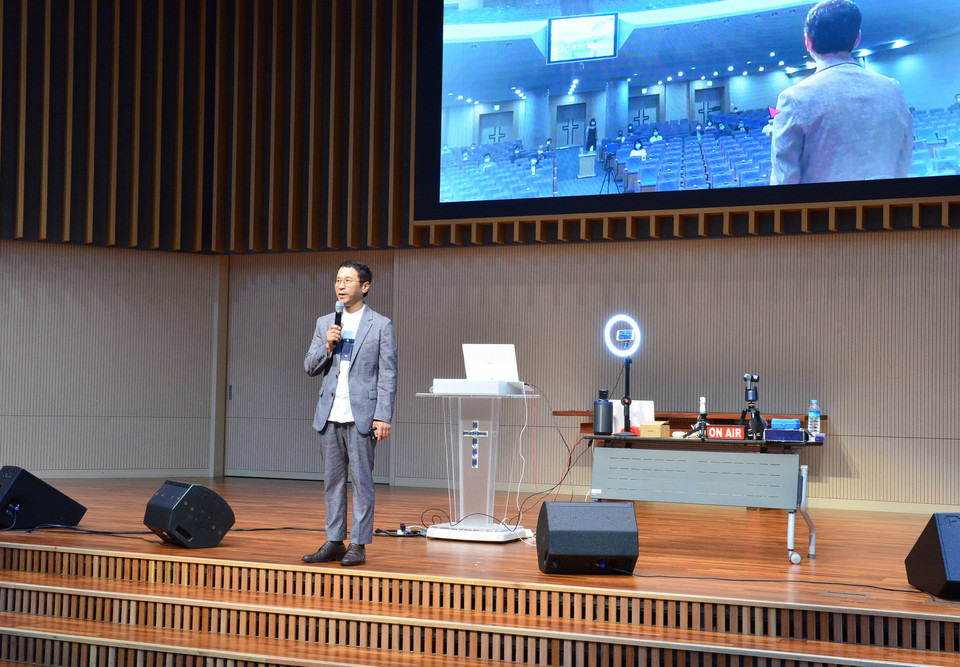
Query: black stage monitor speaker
[
  {"x": 933, "y": 565},
  {"x": 587, "y": 538},
  {"x": 188, "y": 515},
  {"x": 27, "y": 502}
]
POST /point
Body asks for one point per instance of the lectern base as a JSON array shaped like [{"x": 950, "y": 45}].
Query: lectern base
[{"x": 445, "y": 531}]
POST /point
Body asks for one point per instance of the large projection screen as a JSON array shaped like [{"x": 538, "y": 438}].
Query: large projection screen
[{"x": 503, "y": 130}]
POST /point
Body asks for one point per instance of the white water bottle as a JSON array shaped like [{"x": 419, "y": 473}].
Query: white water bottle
[{"x": 813, "y": 418}]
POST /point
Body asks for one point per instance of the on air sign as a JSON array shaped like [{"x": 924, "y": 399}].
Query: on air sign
[{"x": 725, "y": 432}]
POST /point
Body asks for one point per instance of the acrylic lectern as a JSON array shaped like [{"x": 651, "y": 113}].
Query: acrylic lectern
[{"x": 471, "y": 429}]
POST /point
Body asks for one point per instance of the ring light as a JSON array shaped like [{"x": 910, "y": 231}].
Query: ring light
[{"x": 624, "y": 341}]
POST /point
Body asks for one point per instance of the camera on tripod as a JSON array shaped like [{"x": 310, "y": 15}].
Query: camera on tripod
[{"x": 750, "y": 417}]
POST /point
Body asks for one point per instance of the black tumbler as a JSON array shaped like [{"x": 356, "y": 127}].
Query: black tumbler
[{"x": 602, "y": 415}]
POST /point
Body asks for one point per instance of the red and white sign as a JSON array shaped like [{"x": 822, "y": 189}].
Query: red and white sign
[{"x": 726, "y": 432}]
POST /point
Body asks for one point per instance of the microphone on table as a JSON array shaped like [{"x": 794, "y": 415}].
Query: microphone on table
[{"x": 339, "y": 316}]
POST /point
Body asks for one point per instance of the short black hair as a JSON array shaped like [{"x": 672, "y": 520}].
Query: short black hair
[
  {"x": 363, "y": 271},
  {"x": 833, "y": 26}
]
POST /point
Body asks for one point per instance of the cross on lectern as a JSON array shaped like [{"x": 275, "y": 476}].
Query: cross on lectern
[
  {"x": 496, "y": 135},
  {"x": 570, "y": 128},
  {"x": 475, "y": 433}
]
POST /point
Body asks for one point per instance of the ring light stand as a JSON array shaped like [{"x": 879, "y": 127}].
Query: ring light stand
[{"x": 622, "y": 337}]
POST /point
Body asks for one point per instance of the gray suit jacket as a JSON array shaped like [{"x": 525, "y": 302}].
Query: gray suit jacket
[
  {"x": 373, "y": 371},
  {"x": 842, "y": 123}
]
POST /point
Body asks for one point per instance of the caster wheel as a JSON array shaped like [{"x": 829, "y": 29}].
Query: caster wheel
[{"x": 795, "y": 558}]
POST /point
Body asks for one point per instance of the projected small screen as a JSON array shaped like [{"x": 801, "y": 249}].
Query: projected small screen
[
  {"x": 550, "y": 99},
  {"x": 582, "y": 38}
]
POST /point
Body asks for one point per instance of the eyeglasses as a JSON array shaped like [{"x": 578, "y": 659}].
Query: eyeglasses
[{"x": 345, "y": 282}]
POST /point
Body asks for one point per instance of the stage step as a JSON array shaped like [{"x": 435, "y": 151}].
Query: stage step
[
  {"x": 279, "y": 629},
  {"x": 69, "y": 642},
  {"x": 935, "y": 629}
]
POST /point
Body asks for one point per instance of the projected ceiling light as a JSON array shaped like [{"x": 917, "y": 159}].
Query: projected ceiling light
[
  {"x": 861, "y": 53},
  {"x": 780, "y": 64},
  {"x": 730, "y": 69},
  {"x": 760, "y": 69},
  {"x": 622, "y": 335},
  {"x": 773, "y": 54},
  {"x": 899, "y": 44}
]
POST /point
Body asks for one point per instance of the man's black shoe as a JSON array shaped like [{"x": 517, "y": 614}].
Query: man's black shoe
[
  {"x": 356, "y": 555},
  {"x": 328, "y": 552}
]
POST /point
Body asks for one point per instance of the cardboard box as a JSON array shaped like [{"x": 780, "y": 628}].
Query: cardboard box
[{"x": 654, "y": 430}]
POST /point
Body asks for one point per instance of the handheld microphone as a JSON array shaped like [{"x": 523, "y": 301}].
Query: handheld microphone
[{"x": 339, "y": 316}]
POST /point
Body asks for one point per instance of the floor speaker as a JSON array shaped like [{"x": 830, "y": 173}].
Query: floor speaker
[
  {"x": 933, "y": 565},
  {"x": 188, "y": 515},
  {"x": 587, "y": 538},
  {"x": 28, "y": 502}
]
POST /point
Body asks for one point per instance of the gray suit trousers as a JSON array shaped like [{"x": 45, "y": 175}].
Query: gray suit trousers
[{"x": 342, "y": 447}]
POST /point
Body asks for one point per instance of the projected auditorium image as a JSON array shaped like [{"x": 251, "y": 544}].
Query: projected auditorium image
[{"x": 567, "y": 98}]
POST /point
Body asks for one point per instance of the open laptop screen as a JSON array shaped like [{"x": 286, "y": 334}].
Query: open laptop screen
[{"x": 490, "y": 362}]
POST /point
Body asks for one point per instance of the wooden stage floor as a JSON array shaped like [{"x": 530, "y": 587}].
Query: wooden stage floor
[{"x": 690, "y": 552}]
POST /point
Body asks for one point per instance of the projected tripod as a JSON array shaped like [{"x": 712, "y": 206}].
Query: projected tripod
[
  {"x": 756, "y": 423},
  {"x": 609, "y": 174}
]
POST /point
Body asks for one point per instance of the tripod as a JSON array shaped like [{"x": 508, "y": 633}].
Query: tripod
[
  {"x": 609, "y": 174},
  {"x": 700, "y": 427},
  {"x": 756, "y": 424}
]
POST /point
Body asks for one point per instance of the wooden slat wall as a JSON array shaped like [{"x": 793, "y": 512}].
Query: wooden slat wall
[
  {"x": 258, "y": 125},
  {"x": 246, "y": 126},
  {"x": 654, "y": 225}
]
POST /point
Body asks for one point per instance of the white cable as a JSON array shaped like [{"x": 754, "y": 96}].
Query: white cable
[{"x": 523, "y": 466}]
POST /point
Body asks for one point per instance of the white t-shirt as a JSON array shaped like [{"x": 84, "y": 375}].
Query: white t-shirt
[{"x": 341, "y": 411}]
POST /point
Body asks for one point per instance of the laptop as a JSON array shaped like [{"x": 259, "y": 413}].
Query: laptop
[
  {"x": 490, "y": 362},
  {"x": 490, "y": 369}
]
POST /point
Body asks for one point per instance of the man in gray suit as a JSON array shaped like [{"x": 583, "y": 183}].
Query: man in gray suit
[
  {"x": 355, "y": 353},
  {"x": 843, "y": 122}
]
